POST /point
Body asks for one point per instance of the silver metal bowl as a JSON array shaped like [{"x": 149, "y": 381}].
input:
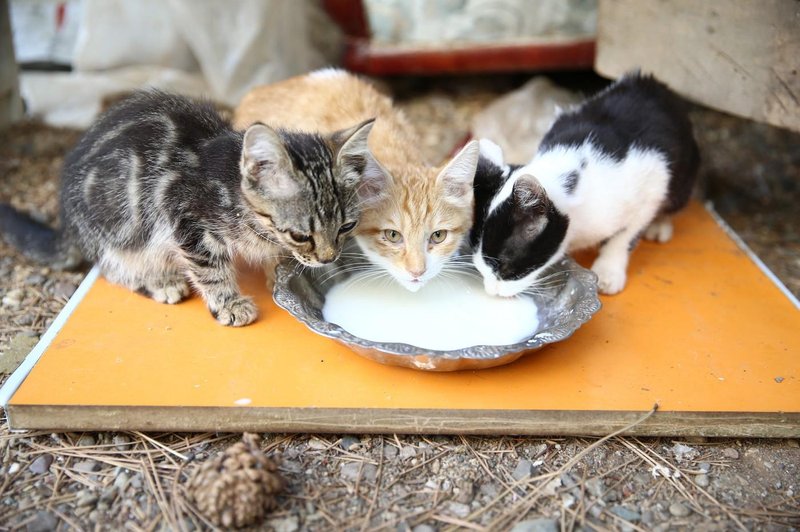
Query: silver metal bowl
[{"x": 566, "y": 303}]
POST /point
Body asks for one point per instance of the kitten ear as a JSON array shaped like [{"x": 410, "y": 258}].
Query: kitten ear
[
  {"x": 357, "y": 162},
  {"x": 528, "y": 192},
  {"x": 456, "y": 178},
  {"x": 265, "y": 161}
]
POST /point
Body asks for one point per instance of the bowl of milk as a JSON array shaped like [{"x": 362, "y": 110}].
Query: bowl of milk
[{"x": 449, "y": 324}]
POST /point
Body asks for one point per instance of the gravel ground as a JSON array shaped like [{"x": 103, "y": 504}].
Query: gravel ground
[{"x": 110, "y": 480}]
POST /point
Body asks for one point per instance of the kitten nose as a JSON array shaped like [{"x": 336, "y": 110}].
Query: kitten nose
[
  {"x": 417, "y": 273},
  {"x": 326, "y": 256}
]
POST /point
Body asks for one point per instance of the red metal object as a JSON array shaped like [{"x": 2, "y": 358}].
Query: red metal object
[
  {"x": 350, "y": 16},
  {"x": 361, "y": 55}
]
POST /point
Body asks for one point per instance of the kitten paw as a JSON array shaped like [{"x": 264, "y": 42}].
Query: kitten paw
[
  {"x": 237, "y": 312},
  {"x": 170, "y": 293},
  {"x": 610, "y": 280},
  {"x": 660, "y": 230}
]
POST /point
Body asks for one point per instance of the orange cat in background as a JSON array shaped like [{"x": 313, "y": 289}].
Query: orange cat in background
[{"x": 416, "y": 215}]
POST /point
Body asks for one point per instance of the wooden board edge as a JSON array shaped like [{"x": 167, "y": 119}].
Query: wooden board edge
[
  {"x": 741, "y": 244},
  {"x": 16, "y": 379},
  {"x": 403, "y": 421}
]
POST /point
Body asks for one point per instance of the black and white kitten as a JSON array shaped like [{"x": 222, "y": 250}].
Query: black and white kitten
[
  {"x": 611, "y": 170},
  {"x": 161, "y": 192}
]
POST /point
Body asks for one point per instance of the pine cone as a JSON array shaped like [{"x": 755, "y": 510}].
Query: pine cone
[{"x": 237, "y": 487}]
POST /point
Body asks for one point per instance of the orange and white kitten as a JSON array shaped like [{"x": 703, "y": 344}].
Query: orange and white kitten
[{"x": 421, "y": 213}]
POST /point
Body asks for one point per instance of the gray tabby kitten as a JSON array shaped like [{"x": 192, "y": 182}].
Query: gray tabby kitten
[{"x": 161, "y": 190}]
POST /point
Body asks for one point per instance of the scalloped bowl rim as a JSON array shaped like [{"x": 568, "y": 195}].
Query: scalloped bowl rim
[{"x": 583, "y": 310}]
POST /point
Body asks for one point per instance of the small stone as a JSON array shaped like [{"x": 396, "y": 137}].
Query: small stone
[
  {"x": 595, "y": 486},
  {"x": 35, "y": 279},
  {"x": 730, "y": 452},
  {"x": 18, "y": 348},
  {"x": 407, "y": 452},
  {"x": 106, "y": 497},
  {"x": 792, "y": 443},
  {"x": 25, "y": 319},
  {"x": 87, "y": 440},
  {"x": 538, "y": 450},
  {"x": 536, "y": 525},
  {"x": 466, "y": 491},
  {"x": 490, "y": 490},
  {"x": 86, "y": 499},
  {"x": 122, "y": 442},
  {"x": 677, "y": 509},
  {"x": 779, "y": 379},
  {"x": 682, "y": 451},
  {"x": 317, "y": 445},
  {"x": 390, "y": 452},
  {"x": 87, "y": 466},
  {"x": 287, "y": 524},
  {"x": 705, "y": 467},
  {"x": 423, "y": 528},
  {"x": 567, "y": 500},
  {"x": 523, "y": 469},
  {"x": 459, "y": 509},
  {"x": 136, "y": 482},
  {"x": 121, "y": 481},
  {"x": 43, "y": 522},
  {"x": 63, "y": 290},
  {"x": 349, "y": 443},
  {"x": 41, "y": 464},
  {"x": 625, "y": 513},
  {"x": 13, "y": 298},
  {"x": 701, "y": 480},
  {"x": 13, "y": 468},
  {"x": 370, "y": 472},
  {"x": 551, "y": 487},
  {"x": 352, "y": 470},
  {"x": 648, "y": 517}
]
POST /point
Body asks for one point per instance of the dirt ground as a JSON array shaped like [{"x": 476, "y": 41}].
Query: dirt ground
[{"x": 135, "y": 481}]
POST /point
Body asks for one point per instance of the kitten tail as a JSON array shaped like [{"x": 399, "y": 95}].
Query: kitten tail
[{"x": 37, "y": 241}]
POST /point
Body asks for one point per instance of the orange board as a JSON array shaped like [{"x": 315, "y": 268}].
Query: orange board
[{"x": 700, "y": 330}]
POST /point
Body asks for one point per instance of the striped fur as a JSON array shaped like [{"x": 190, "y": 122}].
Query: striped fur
[{"x": 163, "y": 194}]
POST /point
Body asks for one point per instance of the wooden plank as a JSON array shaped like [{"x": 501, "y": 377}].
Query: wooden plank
[
  {"x": 406, "y": 421},
  {"x": 699, "y": 329},
  {"x": 737, "y": 56}
]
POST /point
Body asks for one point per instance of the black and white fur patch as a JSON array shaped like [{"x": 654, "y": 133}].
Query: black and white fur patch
[{"x": 604, "y": 172}]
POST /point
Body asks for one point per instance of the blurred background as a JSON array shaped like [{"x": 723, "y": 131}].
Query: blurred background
[{"x": 459, "y": 68}]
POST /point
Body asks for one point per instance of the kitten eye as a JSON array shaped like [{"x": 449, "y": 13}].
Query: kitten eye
[
  {"x": 300, "y": 238},
  {"x": 437, "y": 237},
  {"x": 393, "y": 236},
  {"x": 346, "y": 228}
]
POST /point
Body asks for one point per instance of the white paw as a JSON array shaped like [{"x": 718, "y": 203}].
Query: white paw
[
  {"x": 237, "y": 312},
  {"x": 660, "y": 230},
  {"x": 171, "y": 293},
  {"x": 610, "y": 279}
]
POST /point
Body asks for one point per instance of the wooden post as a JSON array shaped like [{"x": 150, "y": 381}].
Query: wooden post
[
  {"x": 10, "y": 102},
  {"x": 737, "y": 56}
]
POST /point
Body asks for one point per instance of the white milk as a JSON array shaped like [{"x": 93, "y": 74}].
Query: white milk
[{"x": 447, "y": 313}]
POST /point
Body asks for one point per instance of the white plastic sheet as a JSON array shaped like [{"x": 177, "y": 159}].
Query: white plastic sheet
[{"x": 197, "y": 47}]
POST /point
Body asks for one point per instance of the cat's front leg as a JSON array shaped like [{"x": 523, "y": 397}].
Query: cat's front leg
[
  {"x": 212, "y": 272},
  {"x": 659, "y": 230},
  {"x": 611, "y": 264},
  {"x": 216, "y": 282}
]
